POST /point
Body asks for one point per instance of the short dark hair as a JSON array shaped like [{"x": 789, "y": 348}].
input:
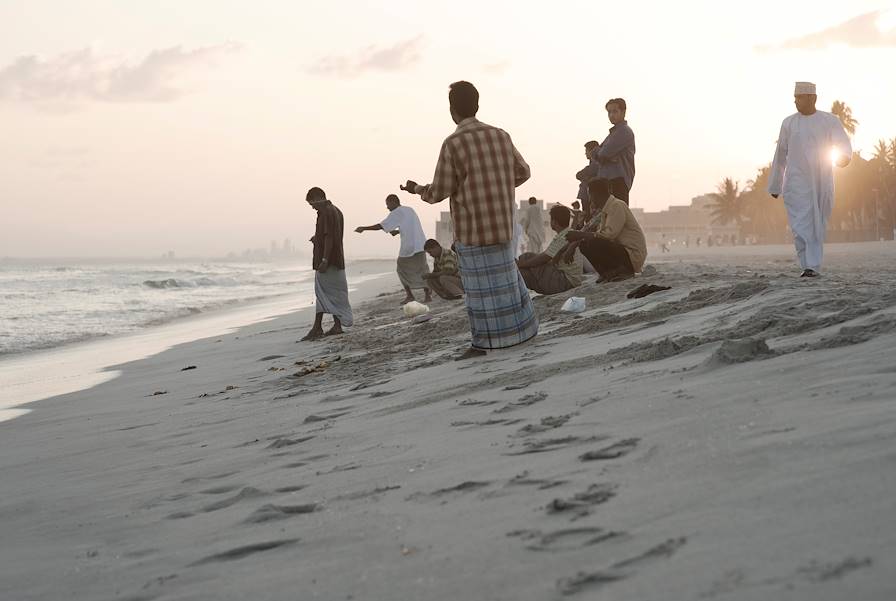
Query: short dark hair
[
  {"x": 431, "y": 243},
  {"x": 591, "y": 144},
  {"x": 315, "y": 195},
  {"x": 393, "y": 198},
  {"x": 576, "y": 203},
  {"x": 463, "y": 97},
  {"x": 598, "y": 188},
  {"x": 561, "y": 215},
  {"x": 619, "y": 101}
]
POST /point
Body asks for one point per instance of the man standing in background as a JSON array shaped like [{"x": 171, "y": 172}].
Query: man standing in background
[
  {"x": 412, "y": 265},
  {"x": 328, "y": 262},
  {"x": 802, "y": 170},
  {"x": 479, "y": 169},
  {"x": 533, "y": 224},
  {"x": 590, "y": 171},
  {"x": 616, "y": 155}
]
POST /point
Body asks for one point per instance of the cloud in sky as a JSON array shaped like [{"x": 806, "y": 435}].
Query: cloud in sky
[
  {"x": 864, "y": 31},
  {"x": 86, "y": 75},
  {"x": 397, "y": 57}
]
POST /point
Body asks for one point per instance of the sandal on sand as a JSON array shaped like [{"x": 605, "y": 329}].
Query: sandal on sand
[
  {"x": 470, "y": 353},
  {"x": 332, "y": 333}
]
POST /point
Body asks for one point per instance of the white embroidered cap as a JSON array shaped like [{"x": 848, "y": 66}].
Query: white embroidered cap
[{"x": 803, "y": 87}]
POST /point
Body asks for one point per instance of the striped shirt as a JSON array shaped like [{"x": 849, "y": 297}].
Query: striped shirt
[
  {"x": 446, "y": 264},
  {"x": 478, "y": 168}
]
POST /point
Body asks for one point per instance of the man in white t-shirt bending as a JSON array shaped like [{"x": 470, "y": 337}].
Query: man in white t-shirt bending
[{"x": 412, "y": 265}]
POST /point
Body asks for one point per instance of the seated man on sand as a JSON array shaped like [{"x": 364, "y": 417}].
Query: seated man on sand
[
  {"x": 612, "y": 241},
  {"x": 444, "y": 279},
  {"x": 551, "y": 277}
]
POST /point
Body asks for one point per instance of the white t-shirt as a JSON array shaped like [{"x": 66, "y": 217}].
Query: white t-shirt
[{"x": 405, "y": 220}]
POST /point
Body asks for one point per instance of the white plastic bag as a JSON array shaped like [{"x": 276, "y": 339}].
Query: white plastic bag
[
  {"x": 574, "y": 304},
  {"x": 413, "y": 309}
]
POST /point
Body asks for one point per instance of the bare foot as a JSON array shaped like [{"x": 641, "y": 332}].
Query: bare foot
[
  {"x": 314, "y": 334},
  {"x": 334, "y": 331},
  {"x": 408, "y": 299}
]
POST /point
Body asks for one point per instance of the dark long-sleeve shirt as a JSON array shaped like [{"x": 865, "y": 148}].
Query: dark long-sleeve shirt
[
  {"x": 616, "y": 155},
  {"x": 587, "y": 174},
  {"x": 328, "y": 237}
]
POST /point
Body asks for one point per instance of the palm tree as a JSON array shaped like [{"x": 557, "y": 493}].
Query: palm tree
[
  {"x": 881, "y": 150},
  {"x": 844, "y": 113},
  {"x": 727, "y": 206}
]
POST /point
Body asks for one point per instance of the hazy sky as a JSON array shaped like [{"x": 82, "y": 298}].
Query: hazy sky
[{"x": 131, "y": 128}]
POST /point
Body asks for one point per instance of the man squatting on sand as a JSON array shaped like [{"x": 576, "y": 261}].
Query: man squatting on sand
[
  {"x": 445, "y": 277},
  {"x": 541, "y": 272},
  {"x": 479, "y": 169},
  {"x": 412, "y": 266},
  {"x": 328, "y": 262},
  {"x": 802, "y": 171},
  {"x": 612, "y": 241}
]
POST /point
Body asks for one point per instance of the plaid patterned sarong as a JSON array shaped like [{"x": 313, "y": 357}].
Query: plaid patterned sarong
[{"x": 501, "y": 313}]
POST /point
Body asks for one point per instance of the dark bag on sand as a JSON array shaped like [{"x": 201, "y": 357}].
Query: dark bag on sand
[{"x": 645, "y": 289}]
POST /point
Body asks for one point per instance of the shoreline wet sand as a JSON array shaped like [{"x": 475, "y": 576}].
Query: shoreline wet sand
[{"x": 728, "y": 438}]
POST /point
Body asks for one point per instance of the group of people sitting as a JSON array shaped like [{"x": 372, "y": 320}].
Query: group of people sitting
[{"x": 606, "y": 235}]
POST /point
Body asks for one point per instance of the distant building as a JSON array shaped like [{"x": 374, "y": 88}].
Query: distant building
[
  {"x": 680, "y": 223},
  {"x": 445, "y": 229}
]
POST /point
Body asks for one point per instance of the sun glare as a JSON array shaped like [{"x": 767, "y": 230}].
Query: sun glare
[{"x": 835, "y": 154}]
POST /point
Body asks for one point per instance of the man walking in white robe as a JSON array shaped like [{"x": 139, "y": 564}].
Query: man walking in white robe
[{"x": 802, "y": 171}]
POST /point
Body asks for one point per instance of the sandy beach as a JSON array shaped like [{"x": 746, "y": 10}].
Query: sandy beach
[{"x": 730, "y": 438}]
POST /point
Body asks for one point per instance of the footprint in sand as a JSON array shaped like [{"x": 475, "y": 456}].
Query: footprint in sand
[
  {"x": 581, "y": 504},
  {"x": 554, "y": 444},
  {"x": 620, "y": 570},
  {"x": 614, "y": 451},
  {"x": 822, "y": 572},
  {"x": 525, "y": 401},
  {"x": 443, "y": 494},
  {"x": 244, "y": 494},
  {"x": 245, "y": 551},
  {"x": 363, "y": 494},
  {"x": 547, "y": 423},
  {"x": 279, "y": 443},
  {"x": 568, "y": 539},
  {"x": 296, "y": 488},
  {"x": 523, "y": 479},
  {"x": 267, "y": 513},
  {"x": 487, "y": 422}
]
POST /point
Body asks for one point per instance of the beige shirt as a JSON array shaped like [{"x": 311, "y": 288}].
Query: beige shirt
[{"x": 617, "y": 223}]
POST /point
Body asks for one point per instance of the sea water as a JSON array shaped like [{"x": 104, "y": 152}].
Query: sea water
[{"x": 48, "y": 304}]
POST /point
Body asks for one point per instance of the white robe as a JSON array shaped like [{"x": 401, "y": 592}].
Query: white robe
[
  {"x": 802, "y": 172},
  {"x": 532, "y": 221}
]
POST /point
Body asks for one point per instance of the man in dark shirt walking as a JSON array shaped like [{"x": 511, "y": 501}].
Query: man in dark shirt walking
[
  {"x": 616, "y": 156},
  {"x": 328, "y": 262}
]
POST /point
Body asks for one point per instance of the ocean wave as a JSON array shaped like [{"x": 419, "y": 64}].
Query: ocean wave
[{"x": 204, "y": 281}]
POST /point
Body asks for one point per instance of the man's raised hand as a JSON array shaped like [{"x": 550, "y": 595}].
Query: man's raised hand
[{"x": 410, "y": 186}]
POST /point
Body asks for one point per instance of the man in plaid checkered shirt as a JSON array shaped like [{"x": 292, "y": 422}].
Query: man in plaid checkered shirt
[{"x": 479, "y": 169}]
